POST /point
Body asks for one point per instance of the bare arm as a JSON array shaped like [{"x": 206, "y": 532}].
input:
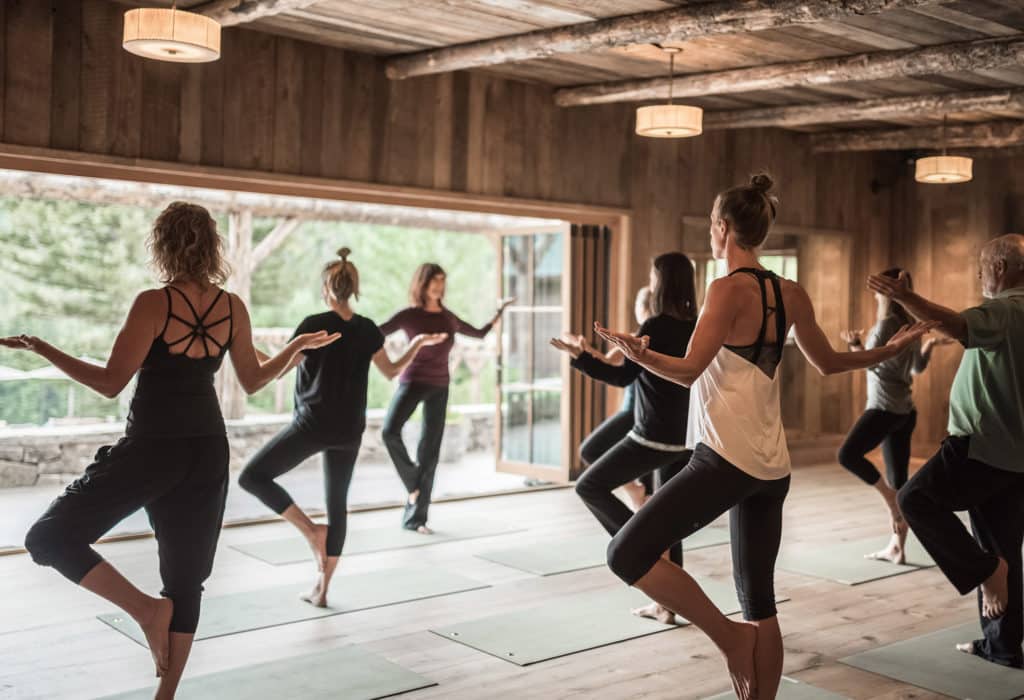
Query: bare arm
[
  {"x": 130, "y": 349},
  {"x": 814, "y": 344},
  {"x": 947, "y": 321},
  {"x": 392, "y": 369},
  {"x": 296, "y": 361},
  {"x": 254, "y": 374}
]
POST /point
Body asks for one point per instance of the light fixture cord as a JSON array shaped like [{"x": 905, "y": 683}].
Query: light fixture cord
[
  {"x": 671, "y": 74},
  {"x": 944, "y": 118}
]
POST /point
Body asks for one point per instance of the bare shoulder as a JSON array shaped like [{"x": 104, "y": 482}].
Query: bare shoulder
[
  {"x": 151, "y": 300},
  {"x": 794, "y": 296}
]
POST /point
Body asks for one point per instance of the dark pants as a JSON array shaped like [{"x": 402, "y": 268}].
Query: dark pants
[
  {"x": 893, "y": 431},
  {"x": 619, "y": 465},
  {"x": 290, "y": 448},
  {"x": 418, "y": 475},
  {"x": 705, "y": 488},
  {"x": 608, "y": 435},
  {"x": 181, "y": 482},
  {"x": 994, "y": 498}
]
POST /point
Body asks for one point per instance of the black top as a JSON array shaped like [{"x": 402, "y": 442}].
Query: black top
[
  {"x": 331, "y": 382},
  {"x": 661, "y": 407},
  {"x": 174, "y": 394},
  {"x": 766, "y": 357}
]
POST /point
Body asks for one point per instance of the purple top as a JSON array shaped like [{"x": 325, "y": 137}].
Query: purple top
[{"x": 430, "y": 366}]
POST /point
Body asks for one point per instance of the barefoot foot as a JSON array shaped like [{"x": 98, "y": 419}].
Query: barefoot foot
[
  {"x": 424, "y": 530},
  {"x": 655, "y": 611},
  {"x": 966, "y": 647},
  {"x": 894, "y": 552},
  {"x": 156, "y": 625},
  {"x": 995, "y": 592},
  {"x": 318, "y": 543},
  {"x": 740, "y": 659},
  {"x": 316, "y": 597}
]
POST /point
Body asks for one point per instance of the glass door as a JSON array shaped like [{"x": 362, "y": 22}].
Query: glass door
[{"x": 532, "y": 376}]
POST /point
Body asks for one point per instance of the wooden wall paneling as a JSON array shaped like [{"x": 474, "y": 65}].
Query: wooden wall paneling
[
  {"x": 426, "y": 96},
  {"x": 190, "y": 119},
  {"x": 337, "y": 84},
  {"x": 160, "y": 109},
  {"x": 494, "y": 121},
  {"x": 213, "y": 120},
  {"x": 475, "y": 132},
  {"x": 461, "y": 136},
  {"x": 514, "y": 142},
  {"x": 125, "y": 115},
  {"x": 286, "y": 105},
  {"x": 311, "y": 112},
  {"x": 444, "y": 127},
  {"x": 99, "y": 23},
  {"x": 28, "y": 73},
  {"x": 67, "y": 75},
  {"x": 250, "y": 71}
]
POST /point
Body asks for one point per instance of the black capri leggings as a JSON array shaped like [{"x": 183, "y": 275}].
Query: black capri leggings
[
  {"x": 288, "y": 449},
  {"x": 605, "y": 436},
  {"x": 705, "y": 488},
  {"x": 624, "y": 462},
  {"x": 894, "y": 431},
  {"x": 182, "y": 484}
]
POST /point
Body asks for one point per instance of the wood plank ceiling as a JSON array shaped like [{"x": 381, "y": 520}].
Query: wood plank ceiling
[{"x": 396, "y": 27}]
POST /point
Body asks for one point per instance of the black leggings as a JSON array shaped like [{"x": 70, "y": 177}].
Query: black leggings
[
  {"x": 893, "y": 431},
  {"x": 418, "y": 475},
  {"x": 619, "y": 465},
  {"x": 605, "y": 437},
  {"x": 181, "y": 482},
  {"x": 705, "y": 488},
  {"x": 287, "y": 450}
]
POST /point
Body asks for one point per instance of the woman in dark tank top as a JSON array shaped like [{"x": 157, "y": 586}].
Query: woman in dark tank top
[{"x": 173, "y": 460}]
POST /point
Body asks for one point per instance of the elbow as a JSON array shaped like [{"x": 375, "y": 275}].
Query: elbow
[{"x": 826, "y": 369}]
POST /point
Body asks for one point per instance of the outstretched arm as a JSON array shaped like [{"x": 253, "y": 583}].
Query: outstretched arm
[
  {"x": 130, "y": 349},
  {"x": 392, "y": 369},
  {"x": 254, "y": 374},
  {"x": 709, "y": 335},
  {"x": 947, "y": 321},
  {"x": 813, "y": 342}
]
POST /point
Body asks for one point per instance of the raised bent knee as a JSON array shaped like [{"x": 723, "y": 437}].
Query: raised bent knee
[
  {"x": 42, "y": 544},
  {"x": 624, "y": 562},
  {"x": 249, "y": 480}
]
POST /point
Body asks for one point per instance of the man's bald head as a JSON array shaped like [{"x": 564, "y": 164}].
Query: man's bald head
[{"x": 1002, "y": 264}]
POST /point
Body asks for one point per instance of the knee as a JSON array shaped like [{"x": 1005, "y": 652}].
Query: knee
[
  {"x": 391, "y": 433},
  {"x": 585, "y": 487},
  {"x": 587, "y": 456},
  {"x": 249, "y": 480},
  {"x": 42, "y": 543},
  {"x": 623, "y": 562},
  {"x": 846, "y": 455}
]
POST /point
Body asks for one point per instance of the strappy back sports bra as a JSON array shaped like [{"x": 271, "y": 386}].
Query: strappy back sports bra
[
  {"x": 175, "y": 394},
  {"x": 734, "y": 404}
]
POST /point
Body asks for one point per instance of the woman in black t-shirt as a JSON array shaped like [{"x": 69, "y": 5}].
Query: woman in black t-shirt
[{"x": 330, "y": 416}]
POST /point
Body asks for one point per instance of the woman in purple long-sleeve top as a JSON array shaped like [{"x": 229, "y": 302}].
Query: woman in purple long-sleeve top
[{"x": 424, "y": 381}]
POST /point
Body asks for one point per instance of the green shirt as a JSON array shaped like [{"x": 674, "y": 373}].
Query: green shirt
[{"x": 986, "y": 403}]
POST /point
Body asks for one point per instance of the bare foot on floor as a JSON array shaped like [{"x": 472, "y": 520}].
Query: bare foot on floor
[
  {"x": 895, "y": 552},
  {"x": 157, "y": 628},
  {"x": 966, "y": 647},
  {"x": 424, "y": 530},
  {"x": 740, "y": 659},
  {"x": 995, "y": 592},
  {"x": 318, "y": 543},
  {"x": 654, "y": 611},
  {"x": 315, "y": 597}
]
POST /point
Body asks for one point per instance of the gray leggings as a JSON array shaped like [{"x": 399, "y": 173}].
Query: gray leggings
[{"x": 705, "y": 488}]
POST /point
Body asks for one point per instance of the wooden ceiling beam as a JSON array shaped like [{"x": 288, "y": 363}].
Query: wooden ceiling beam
[
  {"x": 982, "y": 54},
  {"x": 999, "y": 134},
  {"x": 659, "y": 26},
  {"x": 232, "y": 12},
  {"x": 883, "y": 109}
]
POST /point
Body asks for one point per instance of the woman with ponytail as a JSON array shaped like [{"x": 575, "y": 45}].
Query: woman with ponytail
[
  {"x": 889, "y": 417},
  {"x": 330, "y": 416}
]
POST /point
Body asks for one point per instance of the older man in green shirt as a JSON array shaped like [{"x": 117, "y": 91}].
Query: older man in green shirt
[{"x": 980, "y": 467}]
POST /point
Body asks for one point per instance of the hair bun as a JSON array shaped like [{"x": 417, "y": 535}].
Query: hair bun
[
  {"x": 343, "y": 253},
  {"x": 762, "y": 182}
]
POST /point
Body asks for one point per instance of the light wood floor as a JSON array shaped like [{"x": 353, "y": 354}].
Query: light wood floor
[{"x": 52, "y": 646}]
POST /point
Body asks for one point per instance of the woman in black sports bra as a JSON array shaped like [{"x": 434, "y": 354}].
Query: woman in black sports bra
[{"x": 173, "y": 460}]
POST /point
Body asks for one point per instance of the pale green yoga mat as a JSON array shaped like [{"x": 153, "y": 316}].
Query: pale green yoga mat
[
  {"x": 570, "y": 624},
  {"x": 291, "y": 550},
  {"x": 790, "y": 689},
  {"x": 280, "y": 605},
  {"x": 844, "y": 562},
  {"x": 348, "y": 672},
  {"x": 932, "y": 662},
  {"x": 583, "y": 552}
]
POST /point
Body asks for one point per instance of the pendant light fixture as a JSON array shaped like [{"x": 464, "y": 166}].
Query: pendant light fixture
[
  {"x": 170, "y": 34},
  {"x": 944, "y": 169},
  {"x": 669, "y": 121}
]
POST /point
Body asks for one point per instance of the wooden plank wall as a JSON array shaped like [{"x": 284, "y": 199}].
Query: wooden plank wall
[{"x": 280, "y": 105}]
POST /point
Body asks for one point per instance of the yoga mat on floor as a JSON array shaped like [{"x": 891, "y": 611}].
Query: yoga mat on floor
[
  {"x": 790, "y": 689},
  {"x": 582, "y": 552},
  {"x": 280, "y": 605},
  {"x": 844, "y": 562},
  {"x": 569, "y": 625},
  {"x": 932, "y": 662},
  {"x": 346, "y": 672},
  {"x": 291, "y": 550}
]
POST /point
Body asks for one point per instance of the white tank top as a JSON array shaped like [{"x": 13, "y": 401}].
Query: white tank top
[{"x": 734, "y": 404}]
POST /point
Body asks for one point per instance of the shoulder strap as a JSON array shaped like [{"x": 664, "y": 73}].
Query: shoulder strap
[{"x": 780, "y": 315}]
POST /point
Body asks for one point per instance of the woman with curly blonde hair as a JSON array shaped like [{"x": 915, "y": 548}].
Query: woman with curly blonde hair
[{"x": 173, "y": 459}]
